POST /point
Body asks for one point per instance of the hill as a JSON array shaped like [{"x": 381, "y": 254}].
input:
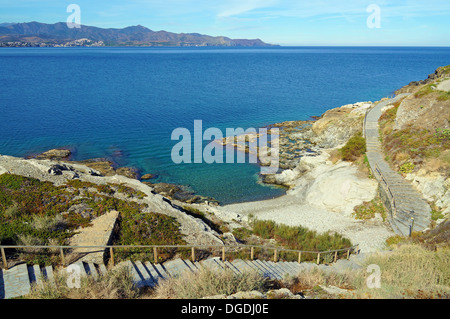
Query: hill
[{"x": 59, "y": 33}]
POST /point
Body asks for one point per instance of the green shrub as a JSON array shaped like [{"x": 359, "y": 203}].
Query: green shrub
[
  {"x": 299, "y": 238},
  {"x": 354, "y": 148},
  {"x": 368, "y": 210},
  {"x": 442, "y": 133},
  {"x": 138, "y": 228},
  {"x": 242, "y": 233},
  {"x": 407, "y": 168},
  {"x": 436, "y": 214}
]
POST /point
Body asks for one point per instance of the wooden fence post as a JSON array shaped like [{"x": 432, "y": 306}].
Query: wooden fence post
[
  {"x": 63, "y": 260},
  {"x": 335, "y": 256},
  {"x": 299, "y": 257},
  {"x": 318, "y": 258},
  {"x": 193, "y": 254},
  {"x": 252, "y": 253},
  {"x": 155, "y": 255},
  {"x": 275, "y": 256},
  {"x": 223, "y": 253},
  {"x": 348, "y": 253},
  {"x": 5, "y": 263},
  {"x": 111, "y": 257}
]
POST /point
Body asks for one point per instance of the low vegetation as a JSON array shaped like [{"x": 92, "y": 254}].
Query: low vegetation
[
  {"x": 209, "y": 283},
  {"x": 266, "y": 232},
  {"x": 408, "y": 271},
  {"x": 411, "y": 148},
  {"x": 33, "y": 212},
  {"x": 411, "y": 271},
  {"x": 431, "y": 89},
  {"x": 116, "y": 284},
  {"x": 433, "y": 239},
  {"x": 354, "y": 148},
  {"x": 138, "y": 228},
  {"x": 369, "y": 210}
]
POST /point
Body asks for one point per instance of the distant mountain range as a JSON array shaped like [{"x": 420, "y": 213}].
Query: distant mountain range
[{"x": 60, "y": 33}]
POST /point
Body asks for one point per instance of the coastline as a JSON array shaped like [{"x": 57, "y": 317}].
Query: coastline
[
  {"x": 320, "y": 194},
  {"x": 369, "y": 235},
  {"x": 324, "y": 190},
  {"x": 323, "y": 187},
  {"x": 322, "y": 199}
]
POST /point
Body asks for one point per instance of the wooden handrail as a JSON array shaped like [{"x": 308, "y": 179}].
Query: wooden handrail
[
  {"x": 175, "y": 246},
  {"x": 155, "y": 247},
  {"x": 389, "y": 191}
]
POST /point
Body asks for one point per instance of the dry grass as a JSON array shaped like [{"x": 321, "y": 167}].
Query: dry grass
[
  {"x": 30, "y": 240},
  {"x": 49, "y": 223},
  {"x": 410, "y": 271},
  {"x": 401, "y": 157},
  {"x": 310, "y": 280},
  {"x": 335, "y": 156},
  {"x": 207, "y": 282},
  {"x": 440, "y": 164},
  {"x": 116, "y": 284}
]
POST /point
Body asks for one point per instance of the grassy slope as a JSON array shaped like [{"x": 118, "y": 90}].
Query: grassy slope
[{"x": 38, "y": 213}]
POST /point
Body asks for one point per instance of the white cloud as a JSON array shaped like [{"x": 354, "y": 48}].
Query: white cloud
[
  {"x": 234, "y": 8},
  {"x": 335, "y": 8}
]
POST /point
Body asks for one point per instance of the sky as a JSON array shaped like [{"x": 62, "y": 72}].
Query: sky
[{"x": 283, "y": 22}]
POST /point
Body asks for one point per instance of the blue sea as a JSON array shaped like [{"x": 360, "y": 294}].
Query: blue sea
[{"x": 124, "y": 103}]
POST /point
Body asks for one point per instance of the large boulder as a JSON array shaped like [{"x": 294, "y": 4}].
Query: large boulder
[
  {"x": 337, "y": 125},
  {"x": 336, "y": 188},
  {"x": 55, "y": 154}
]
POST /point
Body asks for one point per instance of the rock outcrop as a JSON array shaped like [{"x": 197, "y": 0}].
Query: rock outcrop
[
  {"x": 337, "y": 125},
  {"x": 334, "y": 187},
  {"x": 55, "y": 154}
]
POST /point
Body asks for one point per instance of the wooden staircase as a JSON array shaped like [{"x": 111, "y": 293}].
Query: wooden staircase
[{"x": 18, "y": 280}]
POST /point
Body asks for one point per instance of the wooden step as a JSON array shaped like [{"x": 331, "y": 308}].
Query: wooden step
[{"x": 16, "y": 281}]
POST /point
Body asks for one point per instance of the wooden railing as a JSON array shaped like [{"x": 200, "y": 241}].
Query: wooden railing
[
  {"x": 155, "y": 248},
  {"x": 386, "y": 186},
  {"x": 364, "y": 122}
]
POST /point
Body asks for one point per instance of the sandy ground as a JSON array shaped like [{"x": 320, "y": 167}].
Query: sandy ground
[{"x": 370, "y": 235}]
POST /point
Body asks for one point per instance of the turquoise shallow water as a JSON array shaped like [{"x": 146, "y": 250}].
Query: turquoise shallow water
[{"x": 123, "y": 103}]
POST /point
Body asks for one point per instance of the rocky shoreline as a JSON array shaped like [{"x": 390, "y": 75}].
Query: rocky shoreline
[
  {"x": 297, "y": 140},
  {"x": 329, "y": 191},
  {"x": 322, "y": 189},
  {"x": 107, "y": 167}
]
